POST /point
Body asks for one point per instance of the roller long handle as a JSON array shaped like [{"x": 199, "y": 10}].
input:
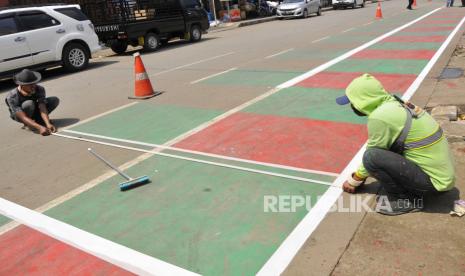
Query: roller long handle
[{"x": 109, "y": 164}]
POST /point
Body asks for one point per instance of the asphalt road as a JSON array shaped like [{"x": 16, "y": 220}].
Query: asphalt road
[{"x": 36, "y": 170}]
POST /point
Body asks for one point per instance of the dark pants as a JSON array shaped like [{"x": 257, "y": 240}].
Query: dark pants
[
  {"x": 399, "y": 177},
  {"x": 410, "y": 3},
  {"x": 32, "y": 109}
]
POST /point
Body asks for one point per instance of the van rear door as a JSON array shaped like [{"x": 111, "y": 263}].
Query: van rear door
[{"x": 194, "y": 13}]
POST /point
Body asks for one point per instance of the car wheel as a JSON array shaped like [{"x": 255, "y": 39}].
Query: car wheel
[
  {"x": 75, "y": 57},
  {"x": 151, "y": 42},
  {"x": 305, "y": 14},
  {"x": 319, "y": 11},
  {"x": 119, "y": 46},
  {"x": 195, "y": 33},
  {"x": 334, "y": 7}
]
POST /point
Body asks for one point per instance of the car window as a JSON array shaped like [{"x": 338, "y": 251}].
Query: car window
[
  {"x": 190, "y": 3},
  {"x": 8, "y": 26},
  {"x": 74, "y": 13},
  {"x": 37, "y": 20}
]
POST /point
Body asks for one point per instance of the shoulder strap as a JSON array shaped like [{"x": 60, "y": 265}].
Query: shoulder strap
[{"x": 399, "y": 144}]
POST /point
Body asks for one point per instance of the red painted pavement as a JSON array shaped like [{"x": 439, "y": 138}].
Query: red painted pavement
[
  {"x": 339, "y": 80},
  {"x": 311, "y": 144},
  {"x": 25, "y": 251},
  {"x": 394, "y": 54},
  {"x": 415, "y": 39},
  {"x": 429, "y": 29}
]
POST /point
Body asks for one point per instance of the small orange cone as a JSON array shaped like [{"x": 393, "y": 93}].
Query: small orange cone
[
  {"x": 143, "y": 86},
  {"x": 379, "y": 13},
  {"x": 414, "y": 3}
]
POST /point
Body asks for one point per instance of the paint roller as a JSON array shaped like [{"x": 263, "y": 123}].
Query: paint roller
[{"x": 131, "y": 182}]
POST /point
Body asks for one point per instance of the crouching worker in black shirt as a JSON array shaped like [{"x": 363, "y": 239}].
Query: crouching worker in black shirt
[{"x": 28, "y": 105}]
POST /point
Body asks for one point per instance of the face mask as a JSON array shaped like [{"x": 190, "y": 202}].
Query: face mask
[{"x": 357, "y": 112}]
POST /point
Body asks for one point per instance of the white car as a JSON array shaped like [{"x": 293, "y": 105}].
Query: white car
[
  {"x": 42, "y": 36},
  {"x": 347, "y": 3},
  {"x": 298, "y": 8}
]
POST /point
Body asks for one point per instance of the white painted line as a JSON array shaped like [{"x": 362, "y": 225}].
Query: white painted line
[
  {"x": 303, "y": 179},
  {"x": 289, "y": 248},
  {"x": 190, "y": 64},
  {"x": 280, "y": 257},
  {"x": 280, "y": 53},
  {"x": 348, "y": 30},
  {"x": 214, "y": 75},
  {"x": 114, "y": 253},
  {"x": 369, "y": 23},
  {"x": 89, "y": 185},
  {"x": 318, "y": 40},
  {"x": 348, "y": 54},
  {"x": 414, "y": 86},
  {"x": 99, "y": 115},
  {"x": 224, "y": 157}
]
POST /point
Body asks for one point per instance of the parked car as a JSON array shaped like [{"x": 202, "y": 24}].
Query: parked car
[
  {"x": 298, "y": 8},
  {"x": 147, "y": 23},
  {"x": 38, "y": 37},
  {"x": 347, "y": 3}
]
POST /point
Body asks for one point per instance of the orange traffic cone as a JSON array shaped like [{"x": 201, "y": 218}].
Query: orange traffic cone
[
  {"x": 379, "y": 13},
  {"x": 414, "y": 3},
  {"x": 143, "y": 86}
]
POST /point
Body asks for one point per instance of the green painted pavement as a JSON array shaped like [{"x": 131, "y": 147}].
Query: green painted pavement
[
  {"x": 388, "y": 66},
  {"x": 4, "y": 220},
  {"x": 149, "y": 123},
  {"x": 253, "y": 78},
  {"x": 312, "y": 103},
  {"x": 206, "y": 219},
  {"x": 406, "y": 46}
]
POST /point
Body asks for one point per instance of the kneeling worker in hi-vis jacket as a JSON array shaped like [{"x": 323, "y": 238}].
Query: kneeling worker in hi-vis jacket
[{"x": 406, "y": 151}]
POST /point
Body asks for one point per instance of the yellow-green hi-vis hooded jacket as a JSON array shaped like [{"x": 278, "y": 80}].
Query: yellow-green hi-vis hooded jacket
[{"x": 386, "y": 119}]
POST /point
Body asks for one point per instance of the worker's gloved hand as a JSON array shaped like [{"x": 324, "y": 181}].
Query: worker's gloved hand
[
  {"x": 44, "y": 131},
  {"x": 351, "y": 185}
]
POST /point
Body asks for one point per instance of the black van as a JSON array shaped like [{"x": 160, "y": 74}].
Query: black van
[{"x": 147, "y": 23}]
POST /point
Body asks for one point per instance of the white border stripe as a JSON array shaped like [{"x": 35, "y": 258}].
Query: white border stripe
[
  {"x": 290, "y": 168},
  {"x": 109, "y": 251},
  {"x": 348, "y": 54},
  {"x": 314, "y": 181},
  {"x": 289, "y": 248},
  {"x": 414, "y": 86},
  {"x": 214, "y": 75}
]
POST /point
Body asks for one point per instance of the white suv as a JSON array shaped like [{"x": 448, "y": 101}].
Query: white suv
[{"x": 43, "y": 36}]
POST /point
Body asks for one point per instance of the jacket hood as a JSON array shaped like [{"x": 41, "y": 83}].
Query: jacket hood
[{"x": 366, "y": 93}]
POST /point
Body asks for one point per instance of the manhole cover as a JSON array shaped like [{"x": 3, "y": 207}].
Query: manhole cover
[{"x": 451, "y": 73}]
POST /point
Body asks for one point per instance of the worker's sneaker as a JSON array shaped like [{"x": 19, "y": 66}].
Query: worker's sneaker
[{"x": 397, "y": 206}]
